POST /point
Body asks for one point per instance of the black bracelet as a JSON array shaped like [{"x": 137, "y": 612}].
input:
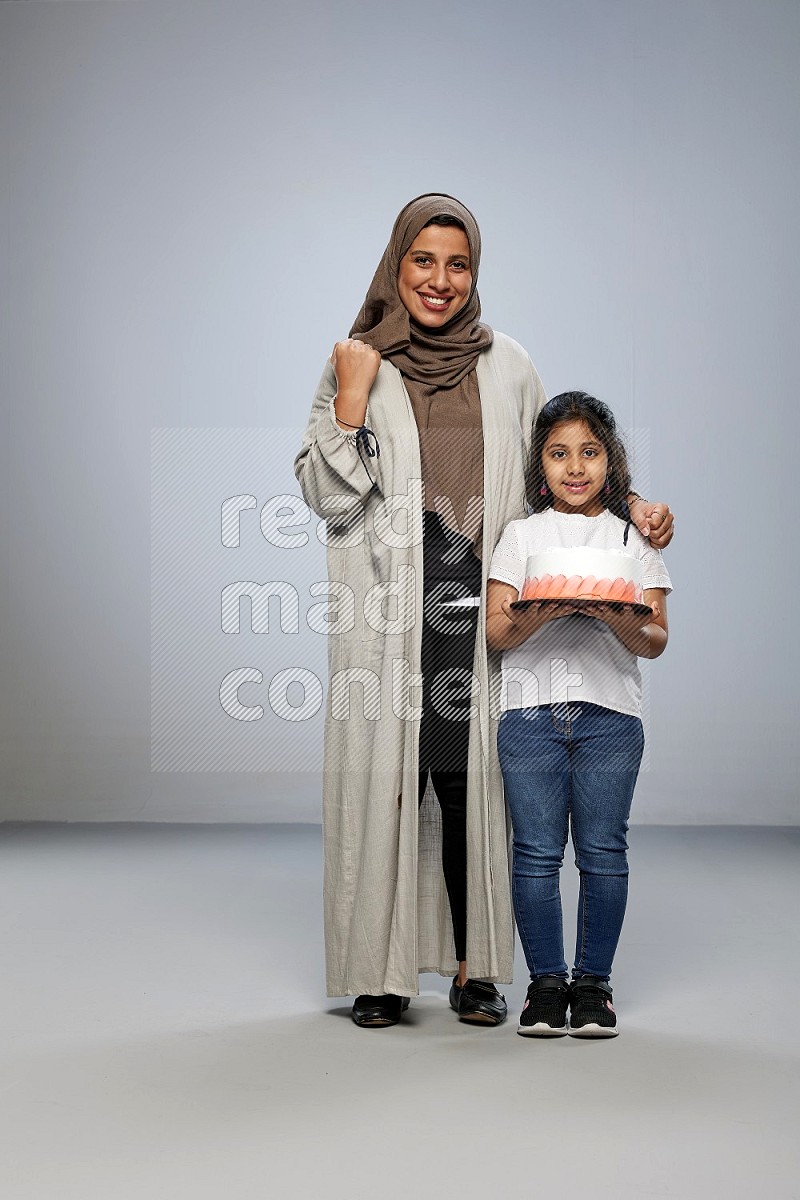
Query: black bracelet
[{"x": 347, "y": 423}]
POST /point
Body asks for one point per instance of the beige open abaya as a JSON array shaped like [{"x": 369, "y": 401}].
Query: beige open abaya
[{"x": 387, "y": 916}]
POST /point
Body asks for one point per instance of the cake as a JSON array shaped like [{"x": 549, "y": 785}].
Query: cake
[{"x": 583, "y": 573}]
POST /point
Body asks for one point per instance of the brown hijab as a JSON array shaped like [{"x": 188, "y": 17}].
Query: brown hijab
[{"x": 438, "y": 368}]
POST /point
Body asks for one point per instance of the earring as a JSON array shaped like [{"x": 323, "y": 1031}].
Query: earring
[{"x": 543, "y": 490}]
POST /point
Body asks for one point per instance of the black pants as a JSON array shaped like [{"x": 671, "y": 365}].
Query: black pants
[
  {"x": 451, "y": 792},
  {"x": 448, "y": 648}
]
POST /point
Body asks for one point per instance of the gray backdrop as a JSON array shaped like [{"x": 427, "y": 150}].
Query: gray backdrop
[{"x": 197, "y": 196}]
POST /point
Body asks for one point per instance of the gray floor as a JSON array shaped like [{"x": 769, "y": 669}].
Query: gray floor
[{"x": 166, "y": 1034}]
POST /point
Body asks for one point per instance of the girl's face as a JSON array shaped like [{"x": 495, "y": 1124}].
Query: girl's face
[
  {"x": 435, "y": 276},
  {"x": 575, "y": 465}
]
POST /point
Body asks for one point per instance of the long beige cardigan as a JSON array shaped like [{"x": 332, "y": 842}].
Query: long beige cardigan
[{"x": 386, "y": 912}]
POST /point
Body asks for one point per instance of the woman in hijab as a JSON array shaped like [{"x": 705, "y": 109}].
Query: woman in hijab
[{"x": 415, "y": 453}]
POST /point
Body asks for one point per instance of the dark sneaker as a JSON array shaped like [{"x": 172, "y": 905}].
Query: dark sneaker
[
  {"x": 591, "y": 1013},
  {"x": 378, "y": 1011},
  {"x": 544, "y": 1013},
  {"x": 478, "y": 1003}
]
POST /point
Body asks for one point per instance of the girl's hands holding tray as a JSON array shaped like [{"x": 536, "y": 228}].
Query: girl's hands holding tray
[
  {"x": 645, "y": 636},
  {"x": 623, "y": 618},
  {"x": 509, "y": 623},
  {"x": 642, "y": 628},
  {"x": 529, "y": 615}
]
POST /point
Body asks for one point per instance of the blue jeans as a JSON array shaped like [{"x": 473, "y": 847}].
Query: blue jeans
[{"x": 579, "y": 767}]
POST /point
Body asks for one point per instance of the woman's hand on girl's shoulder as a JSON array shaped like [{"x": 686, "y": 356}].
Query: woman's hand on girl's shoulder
[{"x": 654, "y": 520}]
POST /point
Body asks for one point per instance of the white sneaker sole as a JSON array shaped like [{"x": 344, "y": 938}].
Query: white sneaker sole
[
  {"x": 593, "y": 1030},
  {"x": 542, "y": 1029}
]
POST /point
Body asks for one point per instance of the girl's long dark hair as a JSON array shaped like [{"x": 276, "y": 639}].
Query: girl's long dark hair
[{"x": 580, "y": 406}]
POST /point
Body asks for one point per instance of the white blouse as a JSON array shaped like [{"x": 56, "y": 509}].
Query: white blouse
[{"x": 577, "y": 657}]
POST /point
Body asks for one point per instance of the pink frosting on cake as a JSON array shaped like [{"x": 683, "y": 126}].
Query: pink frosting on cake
[{"x": 583, "y": 573}]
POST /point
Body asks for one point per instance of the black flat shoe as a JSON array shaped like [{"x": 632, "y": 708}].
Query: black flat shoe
[
  {"x": 478, "y": 1003},
  {"x": 378, "y": 1010}
]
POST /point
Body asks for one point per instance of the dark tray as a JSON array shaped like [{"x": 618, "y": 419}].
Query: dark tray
[{"x": 641, "y": 610}]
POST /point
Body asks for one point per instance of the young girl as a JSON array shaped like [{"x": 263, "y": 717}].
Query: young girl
[{"x": 570, "y": 737}]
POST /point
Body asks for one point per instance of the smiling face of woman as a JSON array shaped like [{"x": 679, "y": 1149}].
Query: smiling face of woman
[{"x": 435, "y": 276}]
